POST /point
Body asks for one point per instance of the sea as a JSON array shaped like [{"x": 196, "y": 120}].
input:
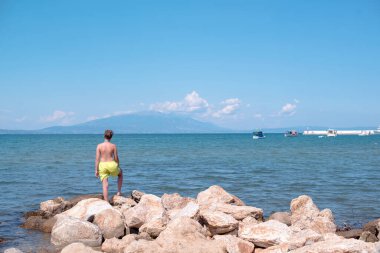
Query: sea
[{"x": 341, "y": 173}]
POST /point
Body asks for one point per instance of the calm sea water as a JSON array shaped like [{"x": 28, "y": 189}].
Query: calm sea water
[{"x": 341, "y": 173}]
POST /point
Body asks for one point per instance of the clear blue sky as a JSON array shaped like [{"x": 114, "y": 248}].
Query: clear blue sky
[{"x": 240, "y": 64}]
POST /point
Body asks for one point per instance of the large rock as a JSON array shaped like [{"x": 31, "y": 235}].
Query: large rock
[
  {"x": 191, "y": 210},
  {"x": 303, "y": 237},
  {"x": 216, "y": 194},
  {"x": 218, "y": 222},
  {"x": 283, "y": 217},
  {"x": 86, "y": 209},
  {"x": 265, "y": 234},
  {"x": 78, "y": 247},
  {"x": 115, "y": 245},
  {"x": 234, "y": 244},
  {"x": 110, "y": 223},
  {"x": 174, "y": 201},
  {"x": 55, "y": 206},
  {"x": 149, "y": 208},
  {"x": 68, "y": 230},
  {"x": 238, "y": 212},
  {"x": 153, "y": 227},
  {"x": 339, "y": 246},
  {"x": 367, "y": 236},
  {"x": 305, "y": 214},
  {"x": 182, "y": 235}
]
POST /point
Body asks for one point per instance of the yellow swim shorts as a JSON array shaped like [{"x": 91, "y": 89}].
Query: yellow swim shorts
[{"x": 107, "y": 169}]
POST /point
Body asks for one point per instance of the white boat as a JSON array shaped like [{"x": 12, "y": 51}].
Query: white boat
[
  {"x": 332, "y": 133},
  {"x": 377, "y": 131}
]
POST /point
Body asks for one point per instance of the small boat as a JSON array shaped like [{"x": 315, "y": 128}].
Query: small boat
[
  {"x": 291, "y": 133},
  {"x": 377, "y": 131},
  {"x": 332, "y": 133},
  {"x": 258, "y": 135}
]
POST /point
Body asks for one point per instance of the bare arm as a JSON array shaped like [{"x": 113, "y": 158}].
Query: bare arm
[
  {"x": 115, "y": 155},
  {"x": 97, "y": 161}
]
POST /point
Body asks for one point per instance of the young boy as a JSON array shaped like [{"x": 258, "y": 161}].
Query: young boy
[{"x": 107, "y": 163}]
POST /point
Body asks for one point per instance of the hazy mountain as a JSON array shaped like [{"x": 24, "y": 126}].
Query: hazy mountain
[{"x": 148, "y": 122}]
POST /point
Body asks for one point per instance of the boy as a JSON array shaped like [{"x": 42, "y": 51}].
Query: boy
[{"x": 107, "y": 164}]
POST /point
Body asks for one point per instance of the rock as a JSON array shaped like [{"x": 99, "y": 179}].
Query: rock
[
  {"x": 68, "y": 230},
  {"x": 55, "y": 206},
  {"x": 302, "y": 238},
  {"x": 2, "y": 240},
  {"x": 153, "y": 227},
  {"x": 174, "y": 201},
  {"x": 352, "y": 233},
  {"x": 149, "y": 208},
  {"x": 39, "y": 223},
  {"x": 216, "y": 194},
  {"x": 250, "y": 220},
  {"x": 136, "y": 195},
  {"x": 282, "y": 248},
  {"x": 265, "y": 234},
  {"x": 218, "y": 222},
  {"x": 367, "y": 236},
  {"x": 115, "y": 245},
  {"x": 12, "y": 250},
  {"x": 181, "y": 235},
  {"x": 305, "y": 214},
  {"x": 372, "y": 227},
  {"x": 338, "y": 246},
  {"x": 77, "y": 199},
  {"x": 191, "y": 210},
  {"x": 120, "y": 200},
  {"x": 238, "y": 212},
  {"x": 144, "y": 236},
  {"x": 110, "y": 223},
  {"x": 283, "y": 217},
  {"x": 234, "y": 244},
  {"x": 86, "y": 209},
  {"x": 78, "y": 247}
]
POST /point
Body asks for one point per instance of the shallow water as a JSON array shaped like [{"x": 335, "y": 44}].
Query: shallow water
[{"x": 341, "y": 173}]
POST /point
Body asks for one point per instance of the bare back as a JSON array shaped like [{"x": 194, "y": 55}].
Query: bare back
[{"x": 107, "y": 152}]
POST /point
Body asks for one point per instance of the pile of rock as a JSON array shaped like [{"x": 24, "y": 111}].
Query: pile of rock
[{"x": 216, "y": 221}]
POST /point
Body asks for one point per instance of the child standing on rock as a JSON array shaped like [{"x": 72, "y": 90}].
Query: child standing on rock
[{"x": 107, "y": 163}]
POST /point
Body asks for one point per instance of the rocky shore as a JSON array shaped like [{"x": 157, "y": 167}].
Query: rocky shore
[{"x": 216, "y": 221}]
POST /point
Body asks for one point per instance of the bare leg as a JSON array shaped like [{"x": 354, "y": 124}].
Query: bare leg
[
  {"x": 105, "y": 189},
  {"x": 119, "y": 182}
]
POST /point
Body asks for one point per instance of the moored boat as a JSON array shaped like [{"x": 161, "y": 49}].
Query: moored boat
[
  {"x": 258, "y": 135},
  {"x": 291, "y": 133}
]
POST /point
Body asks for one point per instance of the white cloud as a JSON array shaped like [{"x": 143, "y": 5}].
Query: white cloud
[
  {"x": 58, "y": 117},
  {"x": 258, "y": 115},
  {"x": 288, "y": 109},
  {"x": 191, "y": 103},
  {"x": 229, "y": 107}
]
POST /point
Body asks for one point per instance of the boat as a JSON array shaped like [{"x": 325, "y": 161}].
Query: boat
[
  {"x": 258, "y": 135},
  {"x": 291, "y": 133},
  {"x": 377, "y": 131},
  {"x": 332, "y": 133}
]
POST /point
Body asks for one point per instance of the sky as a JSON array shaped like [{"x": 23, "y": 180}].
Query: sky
[{"x": 239, "y": 64}]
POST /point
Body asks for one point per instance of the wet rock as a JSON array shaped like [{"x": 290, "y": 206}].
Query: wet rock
[
  {"x": 234, "y": 244},
  {"x": 149, "y": 208},
  {"x": 68, "y": 230},
  {"x": 305, "y": 214},
  {"x": 136, "y": 195},
  {"x": 372, "y": 227},
  {"x": 352, "y": 233},
  {"x": 283, "y": 217},
  {"x": 115, "y": 245},
  {"x": 367, "y": 236},
  {"x": 110, "y": 223},
  {"x": 78, "y": 248},
  {"x": 216, "y": 194},
  {"x": 39, "y": 223},
  {"x": 218, "y": 222},
  {"x": 265, "y": 234},
  {"x": 86, "y": 208}
]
